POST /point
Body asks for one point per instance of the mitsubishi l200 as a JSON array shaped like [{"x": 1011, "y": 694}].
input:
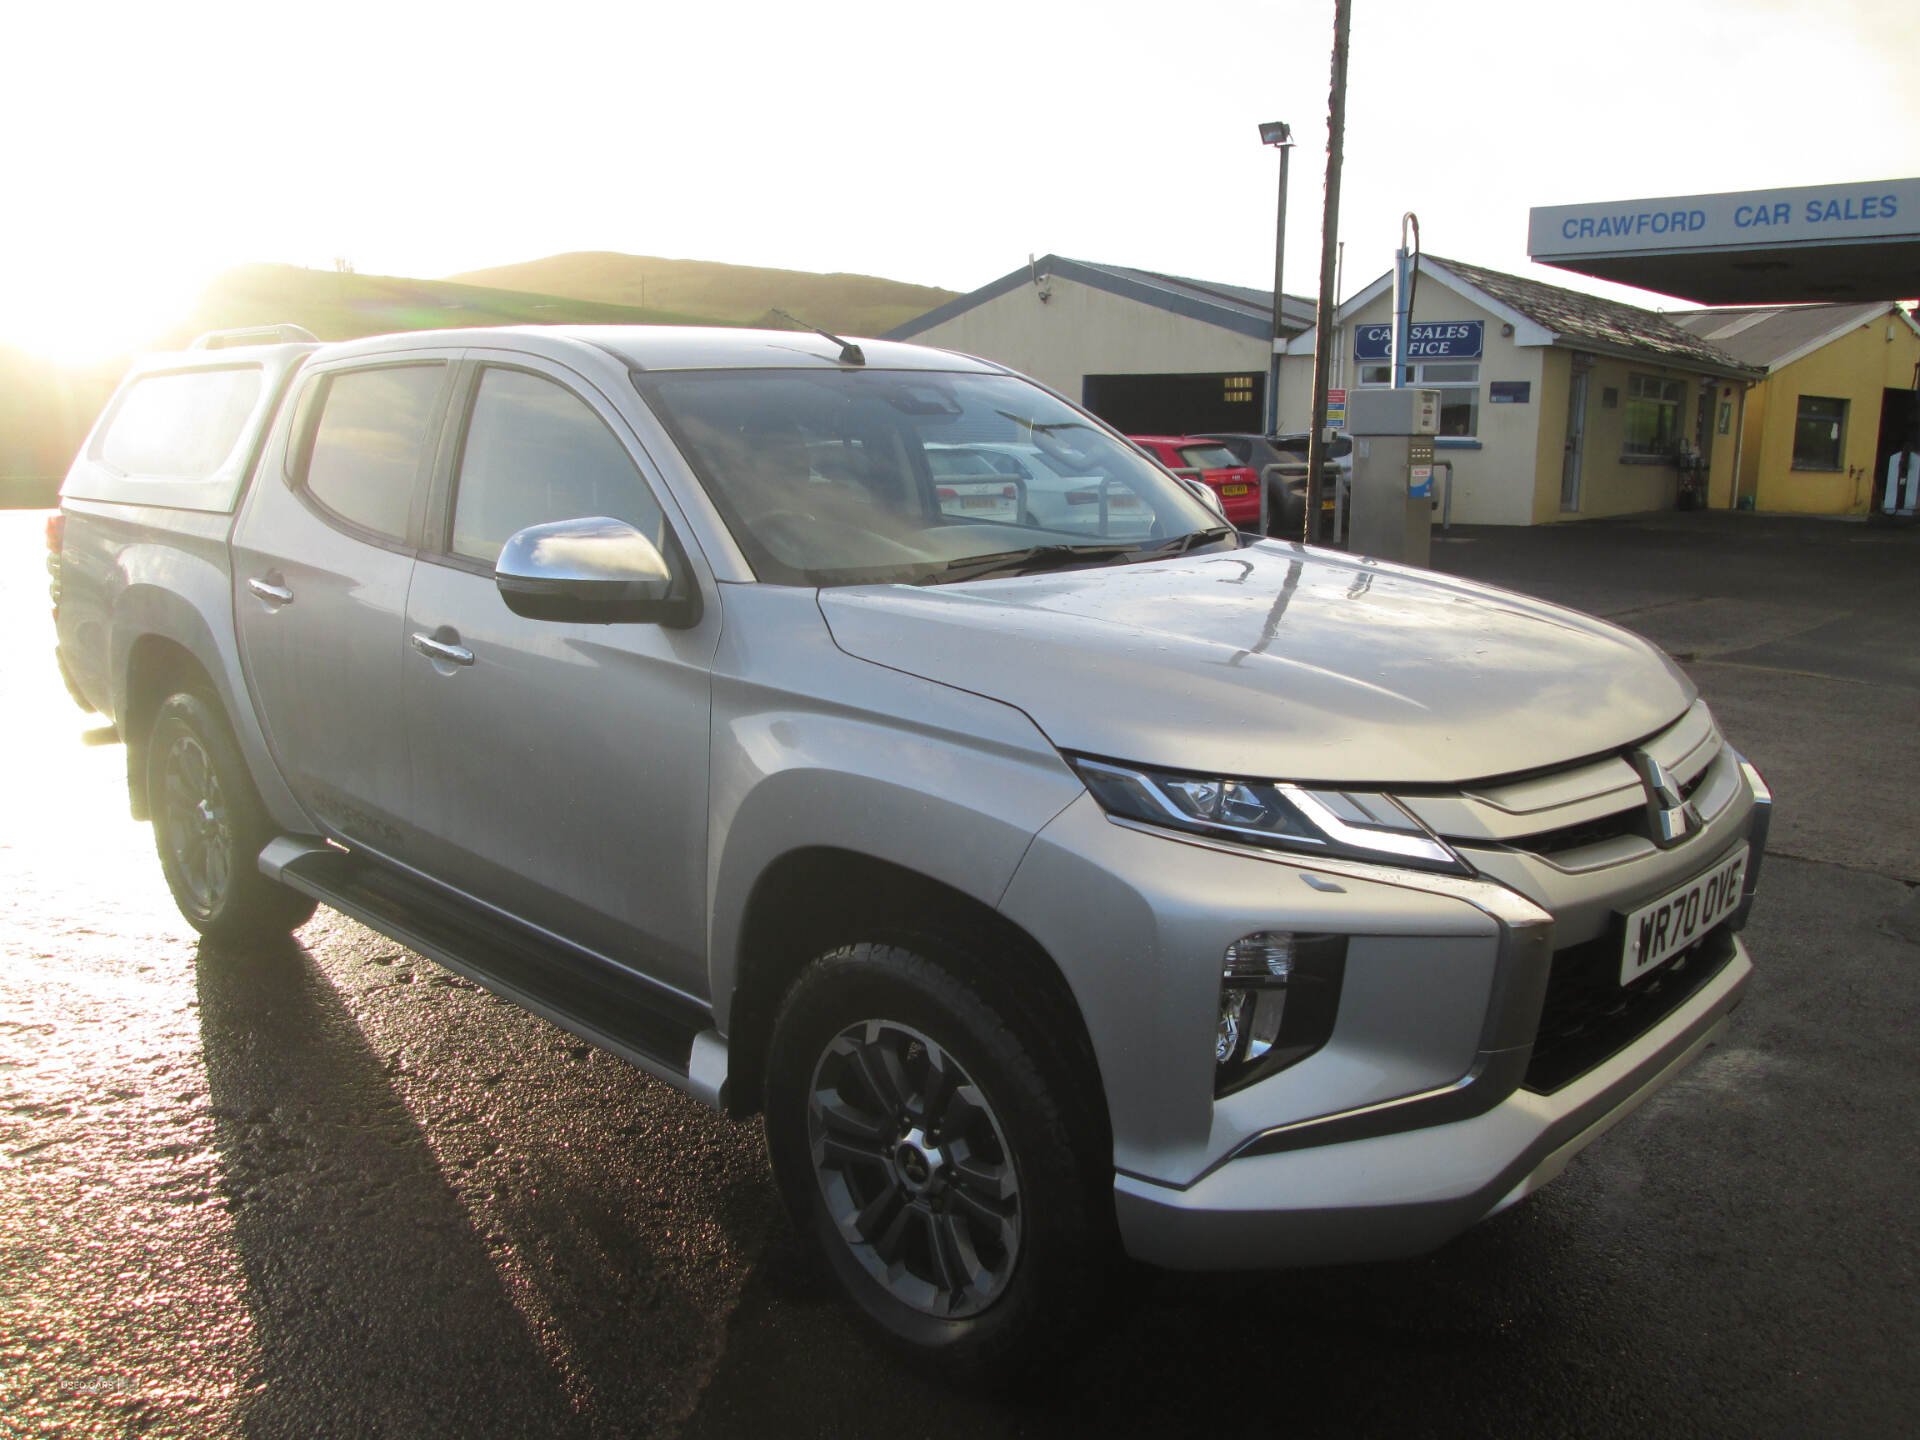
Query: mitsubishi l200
[{"x": 1061, "y": 881}]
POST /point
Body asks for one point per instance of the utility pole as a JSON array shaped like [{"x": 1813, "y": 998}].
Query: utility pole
[{"x": 1329, "y": 259}]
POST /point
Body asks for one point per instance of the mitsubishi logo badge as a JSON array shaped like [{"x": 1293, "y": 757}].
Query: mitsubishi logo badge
[{"x": 1670, "y": 817}]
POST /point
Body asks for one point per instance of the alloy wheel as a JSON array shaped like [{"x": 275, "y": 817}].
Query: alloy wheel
[
  {"x": 915, "y": 1169},
  {"x": 199, "y": 831}
]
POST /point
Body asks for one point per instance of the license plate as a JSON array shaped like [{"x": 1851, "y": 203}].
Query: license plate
[
  {"x": 1658, "y": 932},
  {"x": 980, "y": 502},
  {"x": 1234, "y": 489}
]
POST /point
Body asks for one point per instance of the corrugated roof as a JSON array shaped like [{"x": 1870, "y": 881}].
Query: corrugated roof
[
  {"x": 1245, "y": 298},
  {"x": 1239, "y": 308},
  {"x": 1575, "y": 316},
  {"x": 1767, "y": 334}
]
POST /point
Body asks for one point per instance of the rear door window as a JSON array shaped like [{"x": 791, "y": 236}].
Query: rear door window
[
  {"x": 181, "y": 426},
  {"x": 536, "y": 452},
  {"x": 371, "y": 444}
]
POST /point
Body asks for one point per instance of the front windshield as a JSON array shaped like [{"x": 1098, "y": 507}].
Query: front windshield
[{"x": 838, "y": 477}]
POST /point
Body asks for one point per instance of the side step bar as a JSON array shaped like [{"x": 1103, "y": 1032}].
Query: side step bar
[{"x": 662, "y": 1033}]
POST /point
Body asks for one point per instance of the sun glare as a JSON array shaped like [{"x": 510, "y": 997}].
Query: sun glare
[{"x": 77, "y": 320}]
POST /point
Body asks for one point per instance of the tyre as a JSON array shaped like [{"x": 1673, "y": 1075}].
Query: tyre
[
  {"x": 209, "y": 827},
  {"x": 924, "y": 1149}
]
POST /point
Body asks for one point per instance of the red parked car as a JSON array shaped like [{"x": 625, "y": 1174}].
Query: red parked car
[{"x": 1237, "y": 485}]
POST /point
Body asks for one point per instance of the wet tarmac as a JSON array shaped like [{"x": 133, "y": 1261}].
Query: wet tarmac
[{"x": 327, "y": 1188}]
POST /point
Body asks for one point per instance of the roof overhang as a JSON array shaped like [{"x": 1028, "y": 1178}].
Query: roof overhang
[{"x": 1746, "y": 247}]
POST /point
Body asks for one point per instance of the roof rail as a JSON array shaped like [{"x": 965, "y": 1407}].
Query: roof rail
[{"x": 256, "y": 335}]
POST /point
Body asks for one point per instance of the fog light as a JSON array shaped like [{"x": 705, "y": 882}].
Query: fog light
[{"x": 1279, "y": 993}]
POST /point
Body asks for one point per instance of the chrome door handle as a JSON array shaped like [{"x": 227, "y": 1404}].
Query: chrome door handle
[
  {"x": 439, "y": 649},
  {"x": 269, "y": 592}
]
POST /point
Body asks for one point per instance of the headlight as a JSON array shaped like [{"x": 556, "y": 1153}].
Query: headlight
[{"x": 1355, "y": 825}]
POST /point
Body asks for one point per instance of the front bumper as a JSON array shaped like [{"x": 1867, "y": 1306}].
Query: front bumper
[
  {"x": 1401, "y": 1194},
  {"x": 1412, "y": 1122}
]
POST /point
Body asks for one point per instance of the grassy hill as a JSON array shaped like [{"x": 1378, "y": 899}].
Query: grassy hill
[
  {"x": 740, "y": 294},
  {"x": 340, "y": 307},
  {"x": 46, "y": 409}
]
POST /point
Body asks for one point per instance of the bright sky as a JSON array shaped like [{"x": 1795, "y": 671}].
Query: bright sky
[{"x": 150, "y": 146}]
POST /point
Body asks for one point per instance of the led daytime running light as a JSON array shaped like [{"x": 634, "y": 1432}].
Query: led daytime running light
[{"x": 1273, "y": 814}]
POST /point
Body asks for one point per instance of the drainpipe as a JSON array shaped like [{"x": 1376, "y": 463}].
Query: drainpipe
[{"x": 1739, "y": 439}]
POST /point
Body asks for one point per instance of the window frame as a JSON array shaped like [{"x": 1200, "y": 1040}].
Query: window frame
[
  {"x": 1420, "y": 382},
  {"x": 1675, "y": 438},
  {"x": 311, "y": 404},
  {"x": 1839, "y": 464},
  {"x": 436, "y": 542}
]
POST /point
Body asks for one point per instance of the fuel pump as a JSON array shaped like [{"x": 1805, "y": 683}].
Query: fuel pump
[{"x": 1391, "y": 508}]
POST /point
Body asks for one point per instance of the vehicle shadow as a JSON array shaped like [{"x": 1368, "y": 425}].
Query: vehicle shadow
[
  {"x": 1498, "y": 1333},
  {"x": 376, "y": 1307}
]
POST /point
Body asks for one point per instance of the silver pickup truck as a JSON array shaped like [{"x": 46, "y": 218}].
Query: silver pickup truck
[{"x": 1059, "y": 882}]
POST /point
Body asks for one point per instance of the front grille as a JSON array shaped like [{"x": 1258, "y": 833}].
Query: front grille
[
  {"x": 1589, "y": 1015},
  {"x": 1591, "y": 832},
  {"x": 1630, "y": 821}
]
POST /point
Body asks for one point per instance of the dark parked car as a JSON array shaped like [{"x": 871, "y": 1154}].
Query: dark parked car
[{"x": 1287, "y": 490}]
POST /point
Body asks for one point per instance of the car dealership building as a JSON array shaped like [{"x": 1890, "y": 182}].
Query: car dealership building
[{"x": 1556, "y": 404}]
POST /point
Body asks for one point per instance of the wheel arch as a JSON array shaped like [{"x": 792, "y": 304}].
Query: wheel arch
[
  {"x": 163, "y": 641},
  {"x": 156, "y": 666},
  {"x": 813, "y": 899}
]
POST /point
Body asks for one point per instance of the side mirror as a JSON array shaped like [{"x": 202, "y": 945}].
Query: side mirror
[
  {"x": 1205, "y": 494},
  {"x": 594, "y": 571}
]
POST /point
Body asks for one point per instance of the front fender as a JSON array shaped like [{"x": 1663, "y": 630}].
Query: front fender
[{"x": 814, "y": 748}]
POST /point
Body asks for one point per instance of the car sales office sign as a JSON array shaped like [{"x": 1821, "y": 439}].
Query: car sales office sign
[{"x": 1430, "y": 340}]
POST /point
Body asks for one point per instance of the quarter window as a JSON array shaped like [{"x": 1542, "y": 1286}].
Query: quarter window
[
  {"x": 369, "y": 443},
  {"x": 181, "y": 426},
  {"x": 1819, "y": 433},
  {"x": 1652, "y": 417},
  {"x": 535, "y": 452}
]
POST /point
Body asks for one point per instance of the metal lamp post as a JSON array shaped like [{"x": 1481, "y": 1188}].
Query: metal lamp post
[{"x": 1279, "y": 135}]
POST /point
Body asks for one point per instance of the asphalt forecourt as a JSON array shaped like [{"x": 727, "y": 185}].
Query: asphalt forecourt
[{"x": 329, "y": 1188}]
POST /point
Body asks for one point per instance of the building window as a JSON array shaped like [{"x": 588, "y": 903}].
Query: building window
[
  {"x": 1457, "y": 382},
  {"x": 1819, "y": 433},
  {"x": 1653, "y": 415},
  {"x": 1459, "y": 387}
]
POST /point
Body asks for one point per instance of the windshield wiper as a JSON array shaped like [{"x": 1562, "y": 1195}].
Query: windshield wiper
[
  {"x": 1031, "y": 561},
  {"x": 1193, "y": 540}
]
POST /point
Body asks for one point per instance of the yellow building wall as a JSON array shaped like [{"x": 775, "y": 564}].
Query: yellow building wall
[
  {"x": 1854, "y": 368},
  {"x": 1550, "y": 441},
  {"x": 1753, "y": 426},
  {"x": 1612, "y": 483},
  {"x": 1720, "y": 470}
]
